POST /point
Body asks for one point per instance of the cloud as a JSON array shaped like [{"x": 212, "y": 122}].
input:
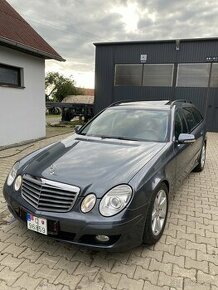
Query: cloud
[{"x": 71, "y": 26}]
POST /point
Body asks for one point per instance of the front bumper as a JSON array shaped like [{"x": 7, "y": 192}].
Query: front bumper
[{"x": 125, "y": 230}]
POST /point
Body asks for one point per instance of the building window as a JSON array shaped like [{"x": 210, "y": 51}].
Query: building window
[
  {"x": 158, "y": 75},
  {"x": 214, "y": 76},
  {"x": 193, "y": 75},
  {"x": 10, "y": 76},
  {"x": 128, "y": 75}
]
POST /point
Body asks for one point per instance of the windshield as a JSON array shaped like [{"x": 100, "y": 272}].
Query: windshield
[{"x": 130, "y": 124}]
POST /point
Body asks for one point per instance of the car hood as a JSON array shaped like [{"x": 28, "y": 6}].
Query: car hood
[{"x": 93, "y": 164}]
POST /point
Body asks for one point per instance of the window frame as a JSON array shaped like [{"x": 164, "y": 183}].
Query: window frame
[{"x": 19, "y": 71}]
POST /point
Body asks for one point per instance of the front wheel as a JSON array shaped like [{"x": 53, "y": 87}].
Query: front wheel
[
  {"x": 202, "y": 159},
  {"x": 156, "y": 216}
]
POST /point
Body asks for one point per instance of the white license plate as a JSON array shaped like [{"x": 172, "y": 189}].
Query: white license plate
[{"x": 36, "y": 224}]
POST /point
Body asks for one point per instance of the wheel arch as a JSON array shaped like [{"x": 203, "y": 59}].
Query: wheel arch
[
  {"x": 161, "y": 180},
  {"x": 166, "y": 182}
]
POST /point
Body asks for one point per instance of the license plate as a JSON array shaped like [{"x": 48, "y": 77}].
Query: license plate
[{"x": 36, "y": 224}]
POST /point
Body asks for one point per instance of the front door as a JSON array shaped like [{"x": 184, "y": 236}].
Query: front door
[{"x": 182, "y": 151}]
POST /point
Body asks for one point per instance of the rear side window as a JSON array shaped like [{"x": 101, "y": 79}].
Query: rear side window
[{"x": 192, "y": 118}]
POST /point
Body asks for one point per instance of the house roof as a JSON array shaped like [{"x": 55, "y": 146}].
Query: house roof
[
  {"x": 88, "y": 92},
  {"x": 16, "y": 33},
  {"x": 79, "y": 99}
]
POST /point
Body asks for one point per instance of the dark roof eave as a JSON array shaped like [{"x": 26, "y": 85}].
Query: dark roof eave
[
  {"x": 20, "y": 46},
  {"x": 155, "y": 41}
]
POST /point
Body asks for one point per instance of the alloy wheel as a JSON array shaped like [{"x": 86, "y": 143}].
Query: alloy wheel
[
  {"x": 203, "y": 156},
  {"x": 159, "y": 212}
]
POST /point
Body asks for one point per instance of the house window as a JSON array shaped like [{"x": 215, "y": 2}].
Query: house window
[
  {"x": 10, "y": 76},
  {"x": 128, "y": 75},
  {"x": 158, "y": 75},
  {"x": 193, "y": 75},
  {"x": 214, "y": 76}
]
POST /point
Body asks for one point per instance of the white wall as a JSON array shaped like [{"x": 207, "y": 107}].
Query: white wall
[{"x": 22, "y": 111}]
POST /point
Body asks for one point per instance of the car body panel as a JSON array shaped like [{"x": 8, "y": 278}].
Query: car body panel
[{"x": 114, "y": 162}]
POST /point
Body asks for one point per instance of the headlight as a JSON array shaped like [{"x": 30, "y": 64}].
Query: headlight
[
  {"x": 88, "y": 203},
  {"x": 17, "y": 183},
  {"x": 13, "y": 173},
  {"x": 115, "y": 200}
]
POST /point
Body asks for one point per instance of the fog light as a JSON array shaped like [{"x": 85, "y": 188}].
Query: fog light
[
  {"x": 102, "y": 238},
  {"x": 18, "y": 182}
]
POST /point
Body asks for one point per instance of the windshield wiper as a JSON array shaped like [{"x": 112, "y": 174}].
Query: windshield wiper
[
  {"x": 119, "y": 138},
  {"x": 113, "y": 137}
]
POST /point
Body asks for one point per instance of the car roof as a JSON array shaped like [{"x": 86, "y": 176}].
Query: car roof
[
  {"x": 143, "y": 104},
  {"x": 159, "y": 105}
]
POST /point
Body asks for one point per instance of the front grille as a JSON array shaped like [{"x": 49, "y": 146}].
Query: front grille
[{"x": 48, "y": 195}]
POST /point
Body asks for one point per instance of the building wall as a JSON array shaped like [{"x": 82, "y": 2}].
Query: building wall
[{"x": 22, "y": 110}]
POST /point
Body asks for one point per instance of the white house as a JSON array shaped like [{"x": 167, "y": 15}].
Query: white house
[{"x": 22, "y": 78}]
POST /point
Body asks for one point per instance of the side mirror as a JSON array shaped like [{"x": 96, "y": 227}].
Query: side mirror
[
  {"x": 77, "y": 128},
  {"x": 186, "y": 138}
]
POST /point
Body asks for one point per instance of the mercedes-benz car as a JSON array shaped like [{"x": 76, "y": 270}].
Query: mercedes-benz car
[{"x": 107, "y": 186}]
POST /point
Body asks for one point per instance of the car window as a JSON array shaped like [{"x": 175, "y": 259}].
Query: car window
[
  {"x": 190, "y": 119},
  {"x": 197, "y": 115},
  {"x": 184, "y": 124},
  {"x": 180, "y": 124},
  {"x": 131, "y": 124}
]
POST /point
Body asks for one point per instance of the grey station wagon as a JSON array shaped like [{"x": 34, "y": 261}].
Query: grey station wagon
[{"x": 107, "y": 186}]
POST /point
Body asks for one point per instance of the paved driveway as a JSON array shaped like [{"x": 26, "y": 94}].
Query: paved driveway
[{"x": 185, "y": 258}]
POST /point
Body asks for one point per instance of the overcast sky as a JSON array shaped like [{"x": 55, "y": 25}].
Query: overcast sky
[{"x": 71, "y": 26}]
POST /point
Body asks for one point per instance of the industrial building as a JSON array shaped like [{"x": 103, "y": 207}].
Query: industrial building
[{"x": 159, "y": 70}]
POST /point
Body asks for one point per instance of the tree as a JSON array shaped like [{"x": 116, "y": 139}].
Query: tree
[{"x": 58, "y": 87}]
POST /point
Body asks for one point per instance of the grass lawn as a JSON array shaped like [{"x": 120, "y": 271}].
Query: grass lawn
[{"x": 52, "y": 116}]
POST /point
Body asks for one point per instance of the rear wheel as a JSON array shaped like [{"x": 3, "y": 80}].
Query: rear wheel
[
  {"x": 202, "y": 159},
  {"x": 156, "y": 216}
]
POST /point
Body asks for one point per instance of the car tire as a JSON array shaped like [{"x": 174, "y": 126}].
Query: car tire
[
  {"x": 158, "y": 212},
  {"x": 202, "y": 159}
]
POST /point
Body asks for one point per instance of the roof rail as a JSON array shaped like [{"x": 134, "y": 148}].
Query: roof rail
[
  {"x": 119, "y": 102},
  {"x": 172, "y": 103}
]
